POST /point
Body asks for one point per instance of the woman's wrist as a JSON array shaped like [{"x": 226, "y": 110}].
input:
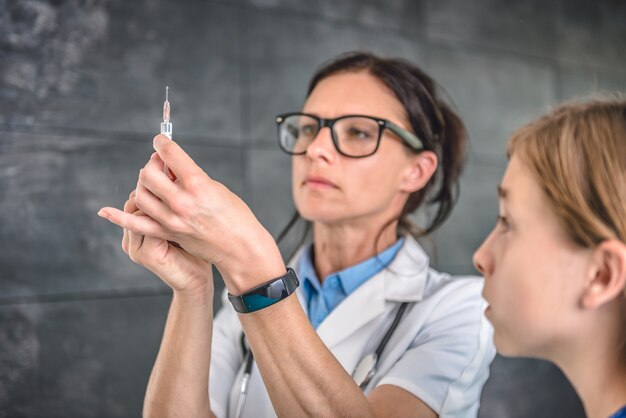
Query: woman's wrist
[
  {"x": 196, "y": 290},
  {"x": 240, "y": 280},
  {"x": 259, "y": 261},
  {"x": 200, "y": 296}
]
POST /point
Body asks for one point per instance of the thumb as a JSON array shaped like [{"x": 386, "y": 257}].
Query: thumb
[
  {"x": 159, "y": 141},
  {"x": 176, "y": 159}
]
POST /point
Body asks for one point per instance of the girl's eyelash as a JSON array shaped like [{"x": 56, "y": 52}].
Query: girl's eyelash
[{"x": 503, "y": 220}]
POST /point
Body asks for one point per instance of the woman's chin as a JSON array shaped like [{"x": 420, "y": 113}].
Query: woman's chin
[
  {"x": 318, "y": 217},
  {"x": 317, "y": 211}
]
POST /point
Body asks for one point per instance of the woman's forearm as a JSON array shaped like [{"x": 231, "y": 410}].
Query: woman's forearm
[
  {"x": 301, "y": 375},
  {"x": 178, "y": 383}
]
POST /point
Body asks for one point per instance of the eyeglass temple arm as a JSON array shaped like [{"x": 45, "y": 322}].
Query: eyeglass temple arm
[{"x": 407, "y": 136}]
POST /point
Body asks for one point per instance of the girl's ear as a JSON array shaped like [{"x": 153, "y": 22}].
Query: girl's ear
[
  {"x": 607, "y": 275},
  {"x": 420, "y": 171}
]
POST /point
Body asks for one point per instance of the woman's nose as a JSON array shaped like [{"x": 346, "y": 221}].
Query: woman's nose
[{"x": 322, "y": 145}]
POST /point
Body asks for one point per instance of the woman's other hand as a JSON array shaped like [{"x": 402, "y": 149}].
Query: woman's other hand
[
  {"x": 183, "y": 272},
  {"x": 203, "y": 216}
]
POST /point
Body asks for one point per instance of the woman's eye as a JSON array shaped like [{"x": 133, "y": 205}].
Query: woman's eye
[
  {"x": 359, "y": 133},
  {"x": 503, "y": 222},
  {"x": 307, "y": 130}
]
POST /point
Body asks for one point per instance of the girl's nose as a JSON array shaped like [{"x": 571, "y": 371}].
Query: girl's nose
[{"x": 483, "y": 261}]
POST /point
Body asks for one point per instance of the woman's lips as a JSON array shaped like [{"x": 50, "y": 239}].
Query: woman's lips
[{"x": 318, "y": 182}]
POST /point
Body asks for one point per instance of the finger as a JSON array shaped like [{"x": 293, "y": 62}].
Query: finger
[
  {"x": 141, "y": 224},
  {"x": 152, "y": 206},
  {"x": 125, "y": 241},
  {"x": 156, "y": 160},
  {"x": 158, "y": 183},
  {"x": 177, "y": 160},
  {"x": 129, "y": 207},
  {"x": 165, "y": 169},
  {"x": 135, "y": 241}
]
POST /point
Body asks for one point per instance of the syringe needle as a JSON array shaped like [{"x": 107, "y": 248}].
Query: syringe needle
[{"x": 166, "y": 106}]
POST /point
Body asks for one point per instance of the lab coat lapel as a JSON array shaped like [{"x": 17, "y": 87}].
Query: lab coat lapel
[
  {"x": 293, "y": 263},
  {"x": 350, "y": 315},
  {"x": 403, "y": 281}
]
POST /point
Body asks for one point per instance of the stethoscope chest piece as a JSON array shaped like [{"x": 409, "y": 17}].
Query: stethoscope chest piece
[
  {"x": 364, "y": 371},
  {"x": 366, "y": 368}
]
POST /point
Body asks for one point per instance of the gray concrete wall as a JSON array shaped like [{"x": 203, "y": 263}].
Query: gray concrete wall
[{"x": 81, "y": 88}]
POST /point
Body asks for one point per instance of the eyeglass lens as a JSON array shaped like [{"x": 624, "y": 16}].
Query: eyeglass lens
[{"x": 354, "y": 136}]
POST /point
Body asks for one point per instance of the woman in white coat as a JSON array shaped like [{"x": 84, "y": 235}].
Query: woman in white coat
[{"x": 372, "y": 144}]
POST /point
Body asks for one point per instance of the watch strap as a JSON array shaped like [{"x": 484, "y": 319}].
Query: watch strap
[{"x": 266, "y": 294}]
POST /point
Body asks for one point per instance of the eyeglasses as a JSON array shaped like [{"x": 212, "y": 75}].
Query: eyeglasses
[{"x": 354, "y": 136}]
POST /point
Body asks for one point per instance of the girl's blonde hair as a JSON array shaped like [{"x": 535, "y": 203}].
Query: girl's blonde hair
[{"x": 578, "y": 154}]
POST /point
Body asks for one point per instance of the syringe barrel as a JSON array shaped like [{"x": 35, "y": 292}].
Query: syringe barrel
[{"x": 166, "y": 129}]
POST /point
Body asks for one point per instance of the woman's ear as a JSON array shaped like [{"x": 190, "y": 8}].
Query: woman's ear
[
  {"x": 422, "y": 168},
  {"x": 607, "y": 276}
]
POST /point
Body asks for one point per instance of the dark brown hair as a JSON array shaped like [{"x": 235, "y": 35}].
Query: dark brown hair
[{"x": 431, "y": 119}]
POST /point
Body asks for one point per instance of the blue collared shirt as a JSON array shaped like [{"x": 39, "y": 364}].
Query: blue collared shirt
[
  {"x": 322, "y": 298},
  {"x": 620, "y": 414}
]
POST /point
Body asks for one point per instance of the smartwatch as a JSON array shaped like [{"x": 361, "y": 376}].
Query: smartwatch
[{"x": 265, "y": 294}]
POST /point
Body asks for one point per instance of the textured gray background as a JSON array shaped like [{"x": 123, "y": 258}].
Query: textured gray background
[{"x": 81, "y": 86}]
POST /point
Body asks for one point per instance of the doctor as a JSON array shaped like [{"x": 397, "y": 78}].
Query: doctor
[{"x": 372, "y": 144}]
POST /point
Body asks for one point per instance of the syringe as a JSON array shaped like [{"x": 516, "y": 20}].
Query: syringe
[
  {"x": 166, "y": 126},
  {"x": 166, "y": 129}
]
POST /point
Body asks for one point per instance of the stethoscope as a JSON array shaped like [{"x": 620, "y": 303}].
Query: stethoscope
[{"x": 362, "y": 374}]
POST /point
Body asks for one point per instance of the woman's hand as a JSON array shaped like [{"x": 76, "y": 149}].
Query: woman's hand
[
  {"x": 203, "y": 216},
  {"x": 179, "y": 380},
  {"x": 183, "y": 272}
]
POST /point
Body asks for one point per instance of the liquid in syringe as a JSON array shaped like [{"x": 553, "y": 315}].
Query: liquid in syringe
[{"x": 166, "y": 125}]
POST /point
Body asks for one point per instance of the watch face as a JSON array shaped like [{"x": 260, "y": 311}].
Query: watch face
[
  {"x": 265, "y": 296},
  {"x": 276, "y": 290}
]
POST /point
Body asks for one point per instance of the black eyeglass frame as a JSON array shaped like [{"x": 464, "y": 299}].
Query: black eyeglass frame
[{"x": 409, "y": 139}]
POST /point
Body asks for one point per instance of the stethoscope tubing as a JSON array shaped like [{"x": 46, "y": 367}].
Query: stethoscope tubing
[{"x": 249, "y": 359}]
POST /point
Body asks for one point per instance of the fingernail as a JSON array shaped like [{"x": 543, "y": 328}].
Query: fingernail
[
  {"x": 160, "y": 140},
  {"x": 103, "y": 213}
]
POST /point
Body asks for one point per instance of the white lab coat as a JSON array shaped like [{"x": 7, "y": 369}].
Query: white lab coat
[{"x": 440, "y": 351}]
